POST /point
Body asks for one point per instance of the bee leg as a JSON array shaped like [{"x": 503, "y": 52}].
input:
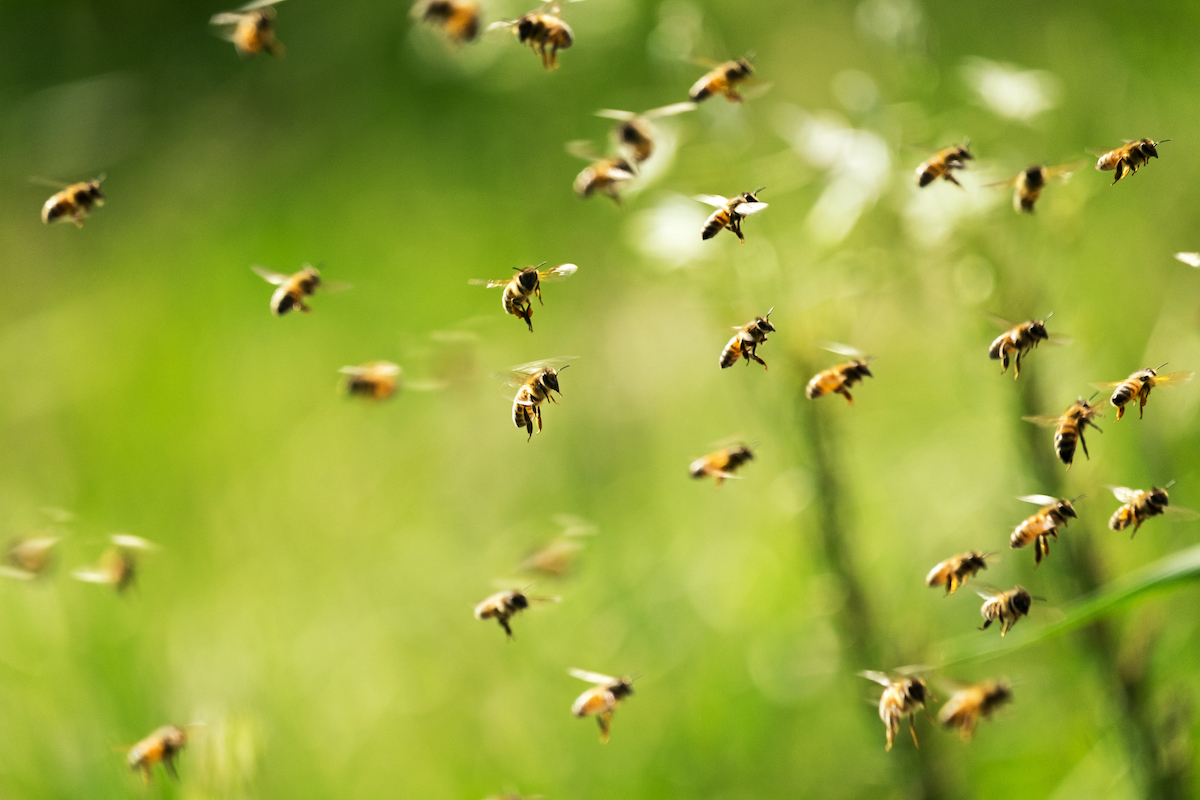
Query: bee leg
[
  {"x": 912, "y": 728},
  {"x": 504, "y": 624},
  {"x": 1120, "y": 413},
  {"x": 752, "y": 353},
  {"x": 529, "y": 426},
  {"x": 846, "y": 394},
  {"x": 948, "y": 175},
  {"x": 1083, "y": 442},
  {"x": 169, "y": 763},
  {"x": 538, "y": 412},
  {"x": 986, "y": 624},
  {"x": 1143, "y": 405},
  {"x": 604, "y": 719},
  {"x": 1017, "y": 366}
]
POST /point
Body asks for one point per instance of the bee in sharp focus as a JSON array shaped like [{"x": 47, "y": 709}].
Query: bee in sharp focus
[
  {"x": 535, "y": 383},
  {"x": 1138, "y": 385},
  {"x": 635, "y": 134},
  {"x": 503, "y": 606},
  {"x": 1029, "y": 183},
  {"x": 118, "y": 565},
  {"x": 1007, "y": 607},
  {"x": 1038, "y": 528},
  {"x": 522, "y": 287},
  {"x": 292, "y": 289},
  {"x": 1140, "y": 505},
  {"x": 901, "y": 698},
  {"x": 30, "y": 557},
  {"x": 458, "y": 19},
  {"x": 838, "y": 379},
  {"x": 721, "y": 464},
  {"x": 956, "y": 570},
  {"x": 942, "y": 165},
  {"x": 1129, "y": 158},
  {"x": 543, "y": 31},
  {"x": 602, "y": 699},
  {"x": 969, "y": 704},
  {"x": 730, "y": 212},
  {"x": 161, "y": 746},
  {"x": 74, "y": 203},
  {"x": 1069, "y": 427},
  {"x": 745, "y": 342},
  {"x": 251, "y": 28},
  {"x": 1018, "y": 340},
  {"x": 723, "y": 79}
]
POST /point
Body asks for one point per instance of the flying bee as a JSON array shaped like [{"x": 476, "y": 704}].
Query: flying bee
[
  {"x": 602, "y": 699},
  {"x": 118, "y": 564},
  {"x": 723, "y": 79},
  {"x": 721, "y": 464},
  {"x": 969, "y": 704},
  {"x": 1069, "y": 427},
  {"x": 745, "y": 342},
  {"x": 942, "y": 165},
  {"x": 527, "y": 283},
  {"x": 635, "y": 134},
  {"x": 604, "y": 175},
  {"x": 74, "y": 203},
  {"x": 535, "y": 383},
  {"x": 1029, "y": 183},
  {"x": 251, "y": 28},
  {"x": 543, "y": 31},
  {"x": 557, "y": 558},
  {"x": 1138, "y": 385},
  {"x": 1039, "y": 527},
  {"x": 458, "y": 19},
  {"x": 1140, "y": 505},
  {"x": 901, "y": 698},
  {"x": 1130, "y": 157},
  {"x": 730, "y": 212},
  {"x": 1018, "y": 340},
  {"x": 503, "y": 606},
  {"x": 839, "y": 379},
  {"x": 1007, "y": 607},
  {"x": 375, "y": 380},
  {"x": 957, "y": 570},
  {"x": 28, "y": 558},
  {"x": 292, "y": 289},
  {"x": 161, "y": 746}
]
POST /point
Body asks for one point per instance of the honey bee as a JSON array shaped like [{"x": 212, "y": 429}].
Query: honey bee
[
  {"x": 1008, "y": 607},
  {"x": 606, "y": 175},
  {"x": 1019, "y": 339},
  {"x": 1069, "y": 427},
  {"x": 161, "y": 746},
  {"x": 503, "y": 606},
  {"x": 251, "y": 28},
  {"x": 602, "y": 699},
  {"x": 901, "y": 698},
  {"x": 1130, "y": 157},
  {"x": 73, "y": 203},
  {"x": 1140, "y": 505},
  {"x": 942, "y": 165},
  {"x": 635, "y": 135},
  {"x": 721, "y": 464},
  {"x": 526, "y": 284},
  {"x": 730, "y": 212},
  {"x": 1029, "y": 183},
  {"x": 956, "y": 570},
  {"x": 969, "y": 704},
  {"x": 745, "y": 342},
  {"x": 294, "y": 288},
  {"x": 543, "y": 31},
  {"x": 458, "y": 19},
  {"x": 375, "y": 380},
  {"x": 723, "y": 79},
  {"x": 118, "y": 564},
  {"x": 28, "y": 558},
  {"x": 839, "y": 379},
  {"x": 1041, "y": 526},
  {"x": 535, "y": 383},
  {"x": 1138, "y": 385}
]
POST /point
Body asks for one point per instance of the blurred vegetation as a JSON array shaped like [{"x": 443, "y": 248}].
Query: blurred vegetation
[{"x": 311, "y": 600}]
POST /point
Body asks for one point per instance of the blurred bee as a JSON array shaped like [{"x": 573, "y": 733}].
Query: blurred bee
[
  {"x": 839, "y": 379},
  {"x": 745, "y": 342},
  {"x": 602, "y": 699},
  {"x": 1130, "y": 157},
  {"x": 503, "y": 606},
  {"x": 968, "y": 704},
  {"x": 1069, "y": 427},
  {"x": 458, "y": 19},
  {"x": 956, "y": 570},
  {"x": 535, "y": 383},
  {"x": 118, "y": 564},
  {"x": 1030, "y": 181},
  {"x": 73, "y": 203},
  {"x": 723, "y": 79},
  {"x": 635, "y": 135},
  {"x": 1041, "y": 526},
  {"x": 375, "y": 380},
  {"x": 1138, "y": 385},
  {"x": 251, "y": 28},
  {"x": 730, "y": 212},
  {"x": 721, "y": 464},
  {"x": 1019, "y": 339},
  {"x": 518, "y": 290},
  {"x": 1007, "y": 607},
  {"x": 161, "y": 746},
  {"x": 1140, "y": 505},
  {"x": 901, "y": 698},
  {"x": 942, "y": 165},
  {"x": 1191, "y": 259},
  {"x": 558, "y": 557},
  {"x": 604, "y": 175},
  {"x": 543, "y": 31},
  {"x": 294, "y": 288},
  {"x": 29, "y": 558}
]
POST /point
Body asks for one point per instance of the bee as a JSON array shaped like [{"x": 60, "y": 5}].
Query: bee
[
  {"x": 968, "y": 704},
  {"x": 635, "y": 135},
  {"x": 1130, "y": 157},
  {"x": 1069, "y": 427},
  {"x": 901, "y": 698},
  {"x": 527, "y": 283},
  {"x": 730, "y": 212},
  {"x": 942, "y": 165},
  {"x": 745, "y": 342},
  {"x": 1029, "y": 183},
  {"x": 458, "y": 19},
  {"x": 1138, "y": 385},
  {"x": 839, "y": 379},
  {"x": 1008, "y": 607},
  {"x": 294, "y": 288},
  {"x": 1039, "y": 527},
  {"x": 251, "y": 28},
  {"x": 375, "y": 380},
  {"x": 956, "y": 570},
  {"x": 73, "y": 203},
  {"x": 118, "y": 564},
  {"x": 721, "y": 464},
  {"x": 1019, "y": 339},
  {"x": 605, "y": 175},
  {"x": 723, "y": 79},
  {"x": 29, "y": 558},
  {"x": 163, "y": 745},
  {"x": 503, "y": 606},
  {"x": 543, "y": 31},
  {"x": 535, "y": 382},
  {"x": 602, "y": 699},
  {"x": 558, "y": 557},
  {"x": 1140, "y": 505}
]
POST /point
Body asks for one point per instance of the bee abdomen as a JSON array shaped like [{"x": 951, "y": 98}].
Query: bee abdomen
[
  {"x": 1124, "y": 393},
  {"x": 731, "y": 353},
  {"x": 714, "y": 225},
  {"x": 1120, "y": 519},
  {"x": 1065, "y": 441}
]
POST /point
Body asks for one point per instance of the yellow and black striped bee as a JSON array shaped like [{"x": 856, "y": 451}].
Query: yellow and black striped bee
[
  {"x": 969, "y": 704},
  {"x": 526, "y": 284},
  {"x": 721, "y": 464},
  {"x": 942, "y": 165},
  {"x": 745, "y": 342},
  {"x": 251, "y": 28},
  {"x": 730, "y": 212},
  {"x": 901, "y": 698},
  {"x": 503, "y": 606},
  {"x": 1069, "y": 427},
  {"x": 30, "y": 557},
  {"x": 602, "y": 699},
  {"x": 1007, "y": 607},
  {"x": 292, "y": 289},
  {"x": 1038, "y": 528},
  {"x": 956, "y": 570},
  {"x": 839, "y": 379},
  {"x": 161, "y": 746},
  {"x": 74, "y": 203},
  {"x": 118, "y": 565},
  {"x": 376, "y": 380},
  {"x": 1029, "y": 183},
  {"x": 458, "y": 19},
  {"x": 1130, "y": 157},
  {"x": 543, "y": 31},
  {"x": 635, "y": 134},
  {"x": 604, "y": 175},
  {"x": 723, "y": 79},
  {"x": 1140, "y": 505},
  {"x": 1138, "y": 385},
  {"x": 1018, "y": 340},
  {"x": 535, "y": 383}
]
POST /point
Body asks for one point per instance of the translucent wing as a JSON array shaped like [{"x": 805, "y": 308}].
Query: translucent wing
[
  {"x": 878, "y": 677},
  {"x": 1105, "y": 387},
  {"x": 424, "y": 386},
  {"x": 256, "y": 4},
  {"x": 1124, "y": 493},
  {"x": 913, "y": 669},
  {"x": 559, "y": 273},
  {"x": 840, "y": 349},
  {"x": 504, "y": 23},
  {"x": 712, "y": 200},
  {"x": 755, "y": 90},
  {"x": 1039, "y": 499},
  {"x": 228, "y": 19},
  {"x": 746, "y": 209},
  {"x": 612, "y": 113},
  {"x": 1191, "y": 259},
  {"x": 270, "y": 275},
  {"x": 1064, "y": 171},
  {"x": 90, "y": 575},
  {"x": 1182, "y": 514},
  {"x": 1174, "y": 378},
  {"x": 618, "y": 174},
  {"x": 583, "y": 148},
  {"x": 1058, "y": 340},
  {"x": 335, "y": 286},
  {"x": 489, "y": 284},
  {"x": 591, "y": 677},
  {"x": 669, "y": 111},
  {"x": 707, "y": 63},
  {"x": 987, "y": 591},
  {"x": 999, "y": 322},
  {"x": 130, "y": 542},
  {"x": 16, "y": 574},
  {"x": 1003, "y": 184},
  {"x": 1044, "y": 420},
  {"x": 534, "y": 366}
]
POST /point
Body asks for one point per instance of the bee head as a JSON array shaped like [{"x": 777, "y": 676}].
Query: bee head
[
  {"x": 764, "y": 323},
  {"x": 629, "y": 133},
  {"x": 914, "y": 689},
  {"x": 1022, "y": 601},
  {"x": 175, "y": 737},
  {"x": 1065, "y": 508},
  {"x": 1159, "y": 496},
  {"x": 742, "y": 451},
  {"x": 623, "y": 688},
  {"x": 438, "y": 9},
  {"x": 742, "y": 68},
  {"x": 1149, "y": 148},
  {"x": 861, "y": 367},
  {"x": 519, "y": 600},
  {"x": 528, "y": 27},
  {"x": 1035, "y": 176},
  {"x": 550, "y": 378},
  {"x": 528, "y": 278}
]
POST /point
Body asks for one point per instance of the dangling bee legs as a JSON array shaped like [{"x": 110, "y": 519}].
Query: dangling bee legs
[
  {"x": 912, "y": 728},
  {"x": 751, "y": 354},
  {"x": 603, "y": 720},
  {"x": 1017, "y": 366},
  {"x": 986, "y": 624},
  {"x": 950, "y": 177},
  {"x": 525, "y": 312},
  {"x": 843, "y": 393}
]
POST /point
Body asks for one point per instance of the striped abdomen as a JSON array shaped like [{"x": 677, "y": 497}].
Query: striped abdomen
[
  {"x": 733, "y": 350},
  {"x": 1066, "y": 437},
  {"x": 719, "y": 220}
]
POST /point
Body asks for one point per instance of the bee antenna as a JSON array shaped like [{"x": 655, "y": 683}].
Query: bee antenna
[
  {"x": 750, "y": 56},
  {"x": 1160, "y": 366},
  {"x": 102, "y": 176},
  {"x": 759, "y": 189},
  {"x": 1093, "y": 395},
  {"x": 1048, "y": 316},
  {"x": 564, "y": 366},
  {"x": 769, "y": 312},
  {"x": 1160, "y": 141},
  {"x": 1169, "y": 485},
  {"x": 1077, "y": 499}
]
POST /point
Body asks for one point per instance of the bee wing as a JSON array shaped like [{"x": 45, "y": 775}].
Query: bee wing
[
  {"x": 1174, "y": 378},
  {"x": 16, "y": 574},
  {"x": 1064, "y": 171},
  {"x": 1098, "y": 151},
  {"x": 913, "y": 669},
  {"x": 1002, "y": 184},
  {"x": 489, "y": 284},
  {"x": 1182, "y": 514},
  {"x": 1044, "y": 420},
  {"x": 999, "y": 322},
  {"x": 226, "y": 19},
  {"x": 559, "y": 273},
  {"x": 618, "y": 174},
  {"x": 1191, "y": 259},
  {"x": 130, "y": 542},
  {"x": 1039, "y": 499},
  {"x": 534, "y": 366},
  {"x": 335, "y": 287},
  {"x": 712, "y": 199},
  {"x": 707, "y": 63},
  {"x": 270, "y": 275},
  {"x": 503, "y": 23},
  {"x": 353, "y": 370},
  {"x": 424, "y": 386},
  {"x": 257, "y": 4},
  {"x": 986, "y": 590},
  {"x": 746, "y": 209},
  {"x": 591, "y": 677},
  {"x": 878, "y": 677},
  {"x": 840, "y": 349},
  {"x": 583, "y": 148},
  {"x": 1058, "y": 340},
  {"x": 574, "y": 526},
  {"x": 1107, "y": 386},
  {"x": 1123, "y": 493},
  {"x": 755, "y": 90},
  {"x": 669, "y": 111},
  {"x": 91, "y": 575},
  {"x": 612, "y": 113}
]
